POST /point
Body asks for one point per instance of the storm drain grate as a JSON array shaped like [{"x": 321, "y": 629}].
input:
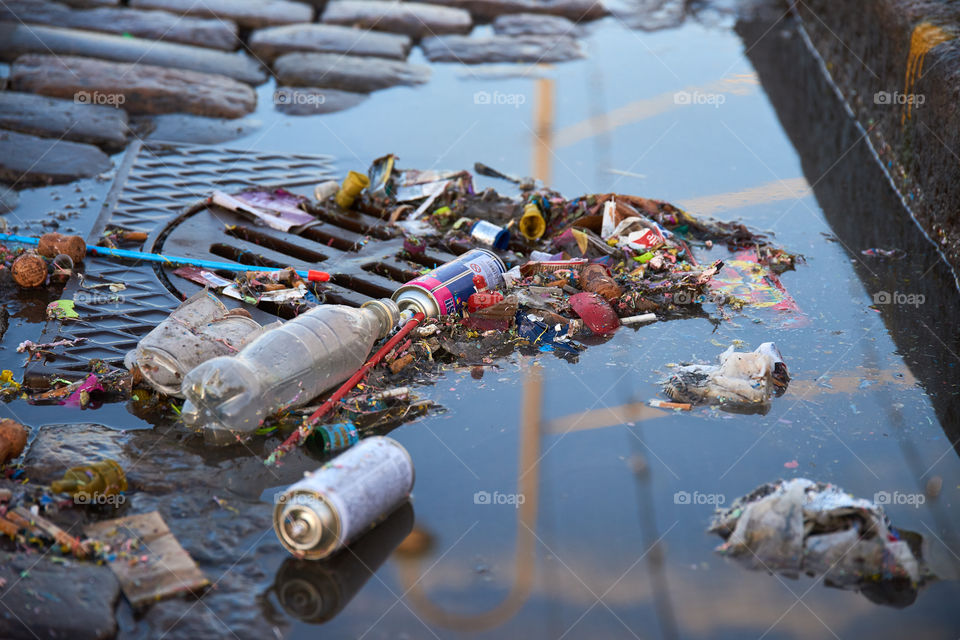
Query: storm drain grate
[
  {"x": 153, "y": 185},
  {"x": 161, "y": 190}
]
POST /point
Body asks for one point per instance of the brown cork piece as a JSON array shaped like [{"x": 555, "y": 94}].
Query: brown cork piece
[
  {"x": 52, "y": 244},
  {"x": 29, "y": 270}
]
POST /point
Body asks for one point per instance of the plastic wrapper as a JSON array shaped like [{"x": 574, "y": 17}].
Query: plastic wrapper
[
  {"x": 801, "y": 526},
  {"x": 741, "y": 382}
]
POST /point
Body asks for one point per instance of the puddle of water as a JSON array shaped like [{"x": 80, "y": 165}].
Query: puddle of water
[{"x": 610, "y": 549}]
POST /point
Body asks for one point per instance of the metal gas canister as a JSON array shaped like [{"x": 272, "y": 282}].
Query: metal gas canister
[
  {"x": 448, "y": 287},
  {"x": 339, "y": 501}
]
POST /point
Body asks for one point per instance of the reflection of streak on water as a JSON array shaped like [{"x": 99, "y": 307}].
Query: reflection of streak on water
[
  {"x": 776, "y": 191},
  {"x": 606, "y": 417},
  {"x": 645, "y": 108},
  {"x": 652, "y": 542},
  {"x": 543, "y": 129},
  {"x": 841, "y": 382},
  {"x": 410, "y": 571},
  {"x": 851, "y": 382}
]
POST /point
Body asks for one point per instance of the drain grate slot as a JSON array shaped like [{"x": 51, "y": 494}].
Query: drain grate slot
[
  {"x": 363, "y": 225},
  {"x": 330, "y": 240},
  {"x": 395, "y": 273},
  {"x": 458, "y": 248},
  {"x": 336, "y": 297},
  {"x": 430, "y": 262},
  {"x": 372, "y": 210},
  {"x": 269, "y": 242},
  {"x": 361, "y": 286},
  {"x": 242, "y": 256}
]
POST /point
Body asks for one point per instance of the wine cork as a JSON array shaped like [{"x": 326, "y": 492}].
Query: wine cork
[
  {"x": 29, "y": 270},
  {"x": 54, "y": 243}
]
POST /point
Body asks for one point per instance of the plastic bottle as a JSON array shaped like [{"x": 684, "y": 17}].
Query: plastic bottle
[
  {"x": 594, "y": 278},
  {"x": 199, "y": 329},
  {"x": 285, "y": 367}
]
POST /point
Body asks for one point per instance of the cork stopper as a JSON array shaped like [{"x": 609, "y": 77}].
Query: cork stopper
[
  {"x": 29, "y": 270},
  {"x": 52, "y": 244}
]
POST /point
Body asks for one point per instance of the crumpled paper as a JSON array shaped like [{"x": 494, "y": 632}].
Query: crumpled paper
[
  {"x": 801, "y": 526},
  {"x": 624, "y": 225}
]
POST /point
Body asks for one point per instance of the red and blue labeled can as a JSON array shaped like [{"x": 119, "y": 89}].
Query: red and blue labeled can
[{"x": 446, "y": 289}]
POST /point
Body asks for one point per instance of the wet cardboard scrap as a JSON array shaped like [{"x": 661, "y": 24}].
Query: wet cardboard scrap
[{"x": 157, "y": 567}]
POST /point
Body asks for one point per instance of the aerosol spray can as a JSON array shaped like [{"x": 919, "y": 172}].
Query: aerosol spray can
[
  {"x": 490, "y": 235},
  {"x": 448, "y": 287},
  {"x": 339, "y": 501}
]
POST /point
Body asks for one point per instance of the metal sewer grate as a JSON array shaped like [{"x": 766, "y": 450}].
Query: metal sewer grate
[{"x": 160, "y": 190}]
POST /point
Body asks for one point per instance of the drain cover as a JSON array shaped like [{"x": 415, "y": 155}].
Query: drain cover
[
  {"x": 360, "y": 252},
  {"x": 161, "y": 190}
]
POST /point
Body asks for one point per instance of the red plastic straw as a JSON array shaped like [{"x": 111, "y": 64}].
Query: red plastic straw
[{"x": 306, "y": 429}]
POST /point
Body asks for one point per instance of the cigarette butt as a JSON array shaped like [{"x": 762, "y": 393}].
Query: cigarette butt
[
  {"x": 641, "y": 319},
  {"x": 683, "y": 406}
]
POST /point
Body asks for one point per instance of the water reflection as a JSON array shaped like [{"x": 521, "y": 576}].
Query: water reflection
[
  {"x": 524, "y": 563},
  {"x": 315, "y": 591}
]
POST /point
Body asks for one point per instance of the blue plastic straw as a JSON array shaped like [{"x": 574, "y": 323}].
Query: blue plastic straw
[{"x": 311, "y": 275}]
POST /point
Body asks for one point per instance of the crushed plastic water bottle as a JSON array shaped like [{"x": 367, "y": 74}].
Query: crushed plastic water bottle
[{"x": 229, "y": 396}]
